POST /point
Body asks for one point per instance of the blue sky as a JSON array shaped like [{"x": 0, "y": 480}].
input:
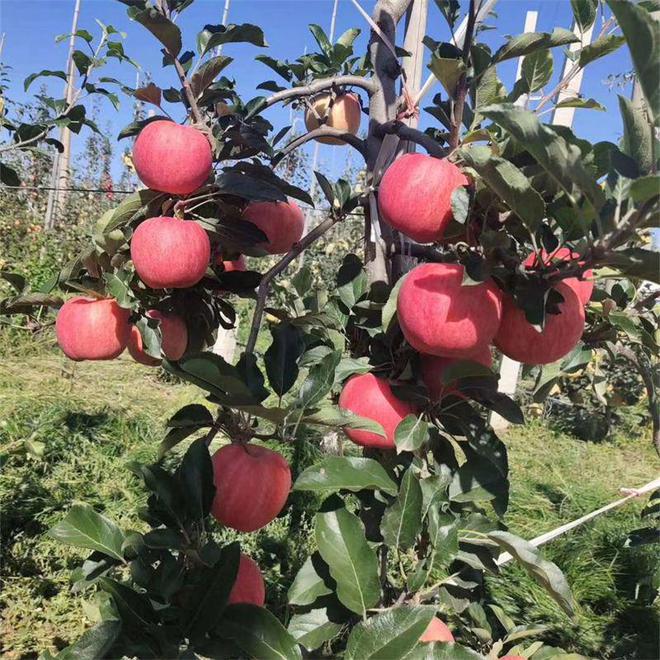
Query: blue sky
[{"x": 30, "y": 27}]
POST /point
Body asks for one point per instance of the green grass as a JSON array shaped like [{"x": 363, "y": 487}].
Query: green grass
[{"x": 90, "y": 420}]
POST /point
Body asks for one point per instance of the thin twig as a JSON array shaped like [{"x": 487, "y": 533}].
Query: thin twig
[
  {"x": 326, "y": 131},
  {"x": 410, "y": 134},
  {"x": 367, "y": 84},
  {"x": 264, "y": 287},
  {"x": 462, "y": 86},
  {"x": 185, "y": 83}
]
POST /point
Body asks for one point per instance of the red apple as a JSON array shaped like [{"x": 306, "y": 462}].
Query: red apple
[
  {"x": 344, "y": 114},
  {"x": 252, "y": 485},
  {"x": 437, "y": 631},
  {"x": 282, "y": 222},
  {"x": 174, "y": 335},
  {"x": 414, "y": 196},
  {"x": 434, "y": 367},
  {"x": 368, "y": 396},
  {"x": 171, "y": 158},
  {"x": 583, "y": 287},
  {"x": 441, "y": 317},
  {"x": 91, "y": 329},
  {"x": 232, "y": 266},
  {"x": 249, "y": 586},
  {"x": 519, "y": 340},
  {"x": 512, "y": 657},
  {"x": 169, "y": 253}
]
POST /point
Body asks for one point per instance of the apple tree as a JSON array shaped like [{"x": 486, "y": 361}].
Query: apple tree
[{"x": 486, "y": 230}]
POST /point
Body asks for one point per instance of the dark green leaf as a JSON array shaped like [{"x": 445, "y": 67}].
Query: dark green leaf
[
  {"x": 411, "y": 433},
  {"x": 642, "y": 33},
  {"x": 560, "y": 159},
  {"x": 195, "y": 474},
  {"x": 135, "y": 610},
  {"x": 447, "y": 66},
  {"x": 392, "y": 634},
  {"x": 602, "y": 46},
  {"x": 161, "y": 27},
  {"x": 249, "y": 370},
  {"x": 342, "y": 543},
  {"x": 8, "y": 176},
  {"x": 584, "y": 12},
  {"x": 321, "y": 39},
  {"x": 319, "y": 381},
  {"x": 508, "y": 182},
  {"x": 313, "y": 628},
  {"x": 85, "y": 528},
  {"x": 82, "y": 61},
  {"x": 208, "y": 72},
  {"x": 638, "y": 138},
  {"x": 258, "y": 633},
  {"x": 543, "y": 571},
  {"x": 529, "y": 42},
  {"x": 352, "y": 281},
  {"x": 225, "y": 34},
  {"x": 45, "y": 72},
  {"x": 281, "y": 358},
  {"x": 212, "y": 592},
  {"x": 94, "y": 643},
  {"x": 336, "y": 473},
  {"x": 460, "y": 204},
  {"x": 308, "y": 585},
  {"x": 194, "y": 414},
  {"x": 402, "y": 520},
  {"x": 637, "y": 262},
  {"x": 580, "y": 102},
  {"x": 537, "y": 69}
]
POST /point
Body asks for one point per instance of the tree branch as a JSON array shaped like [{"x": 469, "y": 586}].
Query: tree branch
[
  {"x": 327, "y": 131},
  {"x": 187, "y": 89},
  {"x": 264, "y": 287},
  {"x": 410, "y": 134},
  {"x": 462, "y": 87},
  {"x": 367, "y": 84}
]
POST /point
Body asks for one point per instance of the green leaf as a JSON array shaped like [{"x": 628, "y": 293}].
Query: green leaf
[
  {"x": 151, "y": 93},
  {"x": 85, "y": 528},
  {"x": 135, "y": 609},
  {"x": 281, "y": 358},
  {"x": 645, "y": 188},
  {"x": 602, "y": 46},
  {"x": 352, "y": 562},
  {"x": 319, "y": 381},
  {"x": 402, "y": 521},
  {"x": 82, "y": 61},
  {"x": 352, "y": 281},
  {"x": 249, "y": 370},
  {"x": 411, "y": 433},
  {"x": 508, "y": 182},
  {"x": 584, "y": 12},
  {"x": 8, "y": 176},
  {"x": 94, "y": 643},
  {"x": 392, "y": 634},
  {"x": 211, "y": 594},
  {"x": 308, "y": 585},
  {"x": 580, "y": 102},
  {"x": 335, "y": 473},
  {"x": 637, "y": 262},
  {"x": 321, "y": 39},
  {"x": 333, "y": 416},
  {"x": 195, "y": 473},
  {"x": 476, "y": 481},
  {"x": 443, "y": 537},
  {"x": 544, "y": 572},
  {"x": 445, "y": 651},
  {"x": 225, "y": 34},
  {"x": 258, "y": 633},
  {"x": 529, "y": 42},
  {"x": 313, "y": 628},
  {"x": 208, "y": 72},
  {"x": 161, "y": 27},
  {"x": 280, "y": 67},
  {"x": 131, "y": 208},
  {"x": 17, "y": 282},
  {"x": 216, "y": 374},
  {"x": 447, "y": 66},
  {"x": 642, "y": 33},
  {"x": 560, "y": 159},
  {"x": 194, "y": 414},
  {"x": 45, "y": 72},
  {"x": 460, "y": 204},
  {"x": 638, "y": 136},
  {"x": 537, "y": 69},
  {"x": 388, "y": 312}
]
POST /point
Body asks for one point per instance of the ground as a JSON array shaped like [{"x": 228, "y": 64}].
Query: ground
[{"x": 69, "y": 431}]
